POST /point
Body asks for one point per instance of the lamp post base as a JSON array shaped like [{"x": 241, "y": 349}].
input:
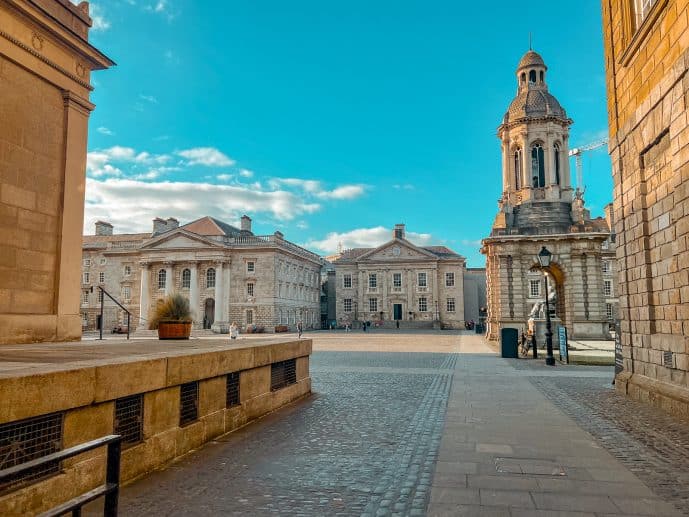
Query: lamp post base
[{"x": 550, "y": 361}]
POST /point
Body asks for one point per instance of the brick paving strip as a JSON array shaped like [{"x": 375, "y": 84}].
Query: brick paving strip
[{"x": 507, "y": 449}]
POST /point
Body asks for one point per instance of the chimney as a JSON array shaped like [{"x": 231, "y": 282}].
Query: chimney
[
  {"x": 159, "y": 226},
  {"x": 610, "y": 217},
  {"x": 398, "y": 232},
  {"x": 171, "y": 223},
  {"x": 103, "y": 228},
  {"x": 246, "y": 224}
]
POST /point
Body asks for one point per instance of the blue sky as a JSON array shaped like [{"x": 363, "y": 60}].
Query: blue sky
[{"x": 330, "y": 121}]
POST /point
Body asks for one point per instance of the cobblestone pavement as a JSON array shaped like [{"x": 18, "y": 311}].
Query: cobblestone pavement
[
  {"x": 653, "y": 445},
  {"x": 365, "y": 444}
]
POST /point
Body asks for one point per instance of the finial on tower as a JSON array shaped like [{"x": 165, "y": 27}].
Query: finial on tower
[{"x": 530, "y": 41}]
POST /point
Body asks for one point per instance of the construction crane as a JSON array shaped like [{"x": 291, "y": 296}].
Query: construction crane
[{"x": 577, "y": 152}]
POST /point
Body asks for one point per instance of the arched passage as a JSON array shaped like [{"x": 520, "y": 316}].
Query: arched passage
[{"x": 208, "y": 313}]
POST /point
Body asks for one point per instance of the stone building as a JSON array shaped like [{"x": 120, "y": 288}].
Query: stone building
[
  {"x": 45, "y": 79},
  {"x": 540, "y": 208},
  {"x": 399, "y": 281},
  {"x": 228, "y": 274},
  {"x": 647, "y": 64}
]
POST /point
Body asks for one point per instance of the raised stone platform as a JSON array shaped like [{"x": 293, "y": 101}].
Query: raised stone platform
[{"x": 82, "y": 382}]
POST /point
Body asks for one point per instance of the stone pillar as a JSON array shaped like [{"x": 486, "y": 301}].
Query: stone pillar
[
  {"x": 507, "y": 179},
  {"x": 527, "y": 181},
  {"x": 169, "y": 284},
  {"x": 219, "y": 297},
  {"x": 194, "y": 292},
  {"x": 144, "y": 298},
  {"x": 228, "y": 293}
]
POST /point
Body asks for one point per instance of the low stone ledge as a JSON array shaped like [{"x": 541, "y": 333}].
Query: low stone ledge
[{"x": 666, "y": 396}]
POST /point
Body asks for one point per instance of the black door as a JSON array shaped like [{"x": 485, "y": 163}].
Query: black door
[{"x": 397, "y": 310}]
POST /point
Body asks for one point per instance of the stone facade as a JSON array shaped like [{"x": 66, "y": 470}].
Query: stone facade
[
  {"x": 45, "y": 67},
  {"x": 647, "y": 60},
  {"x": 228, "y": 274},
  {"x": 540, "y": 208},
  {"x": 398, "y": 281}
]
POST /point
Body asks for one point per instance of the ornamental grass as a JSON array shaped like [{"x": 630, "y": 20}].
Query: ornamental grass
[{"x": 172, "y": 309}]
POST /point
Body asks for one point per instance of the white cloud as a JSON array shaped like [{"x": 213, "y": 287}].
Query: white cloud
[
  {"x": 98, "y": 21},
  {"x": 105, "y": 131},
  {"x": 225, "y": 177},
  {"x": 364, "y": 238},
  {"x": 148, "y": 98},
  {"x": 315, "y": 187},
  {"x": 246, "y": 173},
  {"x": 208, "y": 156},
  {"x": 130, "y": 204},
  {"x": 112, "y": 161},
  {"x": 344, "y": 192},
  {"x": 405, "y": 186}
]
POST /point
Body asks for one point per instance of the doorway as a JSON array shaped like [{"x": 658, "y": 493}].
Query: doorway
[
  {"x": 397, "y": 311},
  {"x": 209, "y": 313}
]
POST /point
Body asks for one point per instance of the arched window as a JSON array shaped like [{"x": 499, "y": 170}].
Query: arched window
[
  {"x": 556, "y": 152},
  {"x": 537, "y": 166},
  {"x": 210, "y": 277},
  {"x": 162, "y": 276},
  {"x": 523, "y": 77},
  {"x": 186, "y": 279},
  {"x": 542, "y": 76},
  {"x": 518, "y": 169},
  {"x": 532, "y": 76}
]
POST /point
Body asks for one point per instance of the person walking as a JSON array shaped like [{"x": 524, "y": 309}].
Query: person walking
[
  {"x": 234, "y": 331},
  {"x": 300, "y": 328}
]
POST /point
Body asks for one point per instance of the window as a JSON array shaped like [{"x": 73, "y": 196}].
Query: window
[
  {"x": 523, "y": 77},
  {"x": 162, "y": 275},
  {"x": 450, "y": 305},
  {"x": 641, "y": 10},
  {"x": 532, "y": 76},
  {"x": 373, "y": 305},
  {"x": 127, "y": 270},
  {"x": 372, "y": 280},
  {"x": 188, "y": 403},
  {"x": 103, "y": 262},
  {"x": 87, "y": 278},
  {"x": 87, "y": 262},
  {"x": 250, "y": 289},
  {"x": 518, "y": 169},
  {"x": 556, "y": 152},
  {"x": 607, "y": 287},
  {"x": 534, "y": 288},
  {"x": 84, "y": 297},
  {"x": 100, "y": 296},
  {"x": 449, "y": 279},
  {"x": 542, "y": 76},
  {"x": 232, "y": 390},
  {"x": 606, "y": 266},
  {"x": 422, "y": 280},
  {"x": 101, "y": 277},
  {"x": 348, "y": 305},
  {"x": 423, "y": 304},
  {"x": 210, "y": 277},
  {"x": 129, "y": 419},
  {"x": 537, "y": 166},
  {"x": 397, "y": 279},
  {"x": 283, "y": 374},
  {"x": 250, "y": 267},
  {"x": 186, "y": 279},
  {"x": 609, "y": 311},
  {"x": 347, "y": 281},
  {"x": 249, "y": 317},
  {"x": 126, "y": 292}
]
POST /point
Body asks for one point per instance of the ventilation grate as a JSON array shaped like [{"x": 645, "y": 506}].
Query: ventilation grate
[
  {"x": 28, "y": 440},
  {"x": 129, "y": 417},
  {"x": 667, "y": 360},
  {"x": 283, "y": 374},
  {"x": 232, "y": 393},
  {"x": 189, "y": 403}
]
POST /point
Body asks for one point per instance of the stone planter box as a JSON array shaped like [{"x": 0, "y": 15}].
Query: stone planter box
[{"x": 174, "y": 330}]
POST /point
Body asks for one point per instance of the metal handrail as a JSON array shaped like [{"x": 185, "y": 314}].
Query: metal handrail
[
  {"x": 102, "y": 304},
  {"x": 110, "y": 489}
]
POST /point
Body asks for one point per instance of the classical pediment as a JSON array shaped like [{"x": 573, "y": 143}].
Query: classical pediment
[
  {"x": 396, "y": 250},
  {"x": 180, "y": 240}
]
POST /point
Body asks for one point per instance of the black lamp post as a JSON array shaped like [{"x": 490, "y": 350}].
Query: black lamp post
[{"x": 544, "y": 258}]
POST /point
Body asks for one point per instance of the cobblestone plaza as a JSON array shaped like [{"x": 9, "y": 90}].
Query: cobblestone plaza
[{"x": 431, "y": 423}]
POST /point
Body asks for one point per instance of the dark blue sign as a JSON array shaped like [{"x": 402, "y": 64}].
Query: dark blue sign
[{"x": 564, "y": 348}]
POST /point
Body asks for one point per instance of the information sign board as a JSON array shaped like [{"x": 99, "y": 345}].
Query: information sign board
[{"x": 564, "y": 347}]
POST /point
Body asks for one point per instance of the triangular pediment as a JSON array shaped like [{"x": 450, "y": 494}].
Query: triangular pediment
[
  {"x": 180, "y": 239},
  {"x": 396, "y": 249}
]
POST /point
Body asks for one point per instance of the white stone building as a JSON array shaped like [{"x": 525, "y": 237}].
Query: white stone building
[
  {"x": 399, "y": 281},
  {"x": 228, "y": 274},
  {"x": 540, "y": 208}
]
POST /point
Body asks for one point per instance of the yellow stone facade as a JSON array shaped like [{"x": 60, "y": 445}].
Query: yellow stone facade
[
  {"x": 647, "y": 60},
  {"x": 45, "y": 67}
]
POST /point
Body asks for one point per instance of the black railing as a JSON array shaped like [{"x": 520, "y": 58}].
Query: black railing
[
  {"x": 110, "y": 490},
  {"x": 102, "y": 304}
]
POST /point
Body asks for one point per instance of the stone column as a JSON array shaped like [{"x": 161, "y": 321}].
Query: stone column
[
  {"x": 228, "y": 293},
  {"x": 169, "y": 284},
  {"x": 527, "y": 181},
  {"x": 219, "y": 297},
  {"x": 506, "y": 169},
  {"x": 194, "y": 292},
  {"x": 143, "y": 299}
]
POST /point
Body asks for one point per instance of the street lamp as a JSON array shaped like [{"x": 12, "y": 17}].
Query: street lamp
[{"x": 544, "y": 258}]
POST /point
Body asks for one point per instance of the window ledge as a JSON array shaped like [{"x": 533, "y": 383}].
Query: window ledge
[{"x": 641, "y": 33}]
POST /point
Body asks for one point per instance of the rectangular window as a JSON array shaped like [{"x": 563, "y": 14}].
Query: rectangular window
[
  {"x": 188, "y": 403},
  {"x": 129, "y": 419},
  {"x": 372, "y": 280},
  {"x": 609, "y": 311},
  {"x": 250, "y": 267},
  {"x": 607, "y": 287},
  {"x": 606, "y": 266},
  {"x": 641, "y": 10},
  {"x": 232, "y": 390},
  {"x": 250, "y": 289},
  {"x": 87, "y": 278},
  {"x": 249, "y": 317},
  {"x": 373, "y": 304},
  {"x": 534, "y": 288},
  {"x": 422, "y": 280},
  {"x": 423, "y": 304},
  {"x": 347, "y": 281},
  {"x": 101, "y": 277},
  {"x": 84, "y": 297},
  {"x": 347, "y": 305},
  {"x": 283, "y": 374},
  {"x": 126, "y": 292},
  {"x": 87, "y": 262},
  {"x": 127, "y": 270},
  {"x": 100, "y": 296},
  {"x": 450, "y": 305},
  {"x": 397, "y": 279},
  {"x": 449, "y": 279}
]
